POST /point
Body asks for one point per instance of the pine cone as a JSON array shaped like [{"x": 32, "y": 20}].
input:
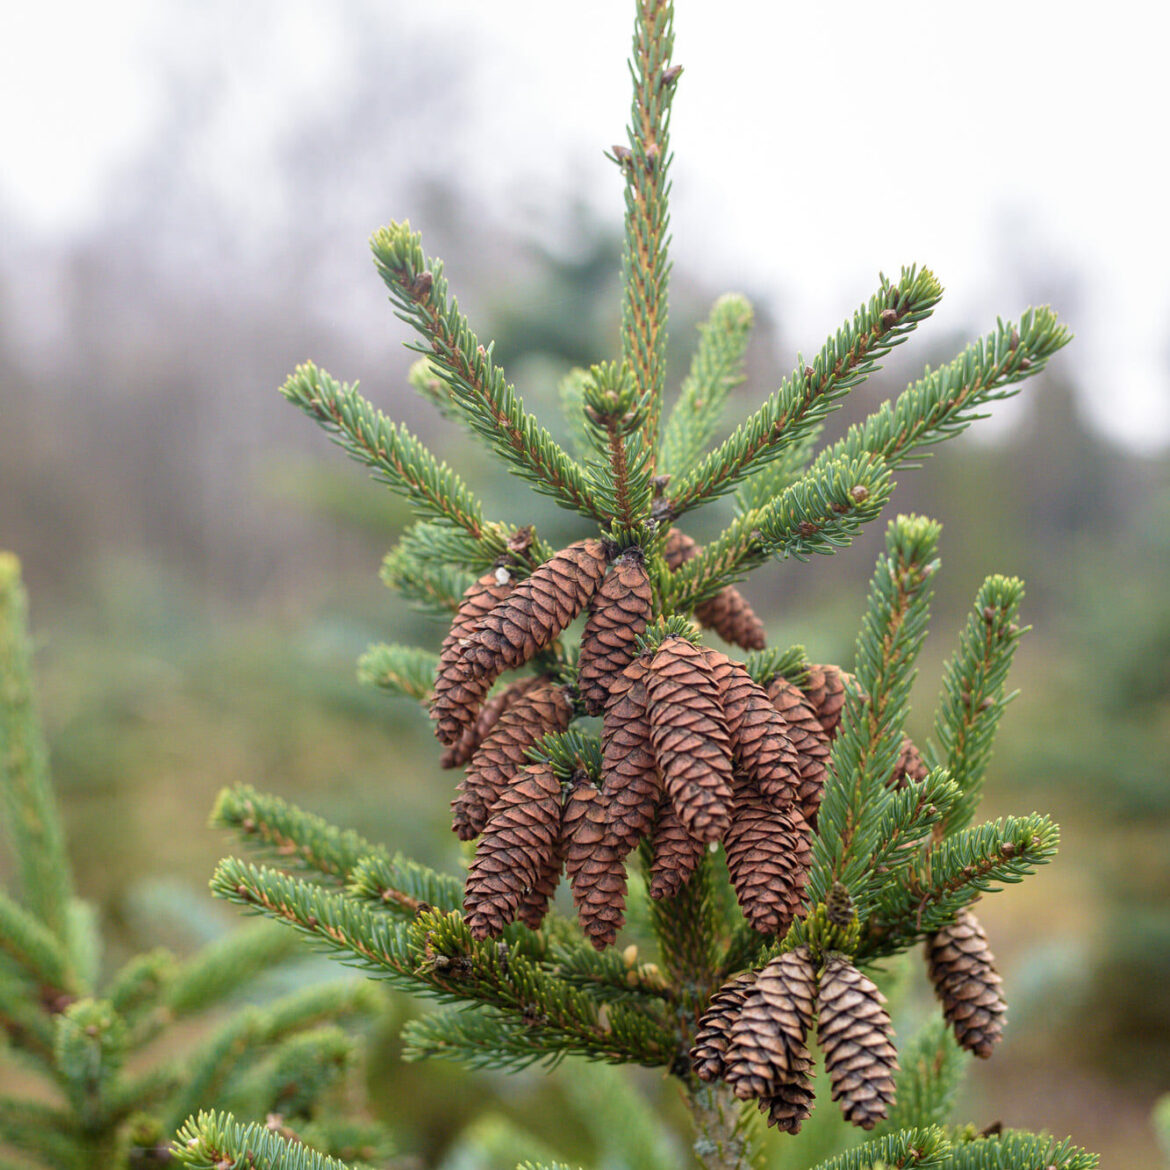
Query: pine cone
[
  {"x": 714, "y": 1032},
  {"x": 518, "y": 842},
  {"x": 768, "y": 1048},
  {"x": 809, "y": 740},
  {"x": 791, "y": 1106},
  {"x": 618, "y": 613},
  {"x": 454, "y": 703},
  {"x": 628, "y": 769},
  {"x": 535, "y": 900},
  {"x": 540, "y": 710},
  {"x": 854, "y": 1032},
  {"x": 962, "y": 969},
  {"x": 759, "y": 736},
  {"x": 824, "y": 691},
  {"x": 910, "y": 766},
  {"x": 689, "y": 734},
  {"x": 768, "y": 857},
  {"x": 489, "y": 714},
  {"x": 676, "y": 853},
  {"x": 727, "y": 613},
  {"x": 596, "y": 870},
  {"x": 537, "y": 610}
]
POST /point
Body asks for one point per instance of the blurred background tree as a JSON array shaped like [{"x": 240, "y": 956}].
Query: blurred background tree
[{"x": 199, "y": 621}]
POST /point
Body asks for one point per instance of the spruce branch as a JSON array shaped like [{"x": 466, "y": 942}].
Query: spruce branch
[
  {"x": 1014, "y": 1149},
  {"x": 866, "y": 748},
  {"x": 395, "y": 456},
  {"x": 726, "y": 1130},
  {"x": 716, "y": 369},
  {"x": 216, "y": 1141},
  {"x": 44, "y": 1132},
  {"x": 435, "y": 588},
  {"x": 811, "y": 392},
  {"x": 907, "y": 818},
  {"x": 401, "y": 670},
  {"x": 944, "y": 402},
  {"x": 820, "y": 513},
  {"x": 477, "y": 386},
  {"x": 33, "y": 947},
  {"x": 922, "y": 1146},
  {"x": 571, "y": 396},
  {"x": 765, "y": 665},
  {"x": 971, "y": 861},
  {"x": 27, "y": 802},
  {"x": 402, "y": 887},
  {"x": 975, "y": 692},
  {"x": 645, "y": 164},
  {"x": 90, "y": 1047},
  {"x": 778, "y": 474},
  {"x": 277, "y": 829}
]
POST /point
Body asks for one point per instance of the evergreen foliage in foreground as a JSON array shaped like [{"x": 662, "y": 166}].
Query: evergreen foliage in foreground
[
  {"x": 109, "y": 1099},
  {"x": 761, "y": 831}
]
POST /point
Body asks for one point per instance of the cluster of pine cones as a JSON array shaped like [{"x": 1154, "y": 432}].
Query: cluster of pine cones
[
  {"x": 693, "y": 751},
  {"x": 754, "y": 1033}
]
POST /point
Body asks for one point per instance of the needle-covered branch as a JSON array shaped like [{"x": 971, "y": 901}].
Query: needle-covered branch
[
  {"x": 477, "y": 386},
  {"x": 975, "y": 692},
  {"x": 866, "y": 748},
  {"x": 645, "y": 164},
  {"x": 212, "y": 1141},
  {"x": 944, "y": 402},
  {"x": 394, "y": 455},
  {"x": 812, "y": 392},
  {"x": 716, "y": 369},
  {"x": 819, "y": 514},
  {"x": 401, "y": 670}
]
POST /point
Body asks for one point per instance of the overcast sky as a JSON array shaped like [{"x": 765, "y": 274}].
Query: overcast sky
[{"x": 816, "y": 144}]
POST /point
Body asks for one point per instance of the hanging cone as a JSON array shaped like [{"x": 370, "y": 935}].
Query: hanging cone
[
  {"x": 910, "y": 766},
  {"x": 540, "y": 710},
  {"x": 791, "y": 1106},
  {"x": 689, "y": 733},
  {"x": 676, "y": 853},
  {"x": 760, "y": 746},
  {"x": 809, "y": 740},
  {"x": 824, "y": 691},
  {"x": 854, "y": 1032},
  {"x": 596, "y": 870},
  {"x": 618, "y": 613},
  {"x": 962, "y": 969},
  {"x": 454, "y": 703},
  {"x": 727, "y": 613},
  {"x": 628, "y": 770},
  {"x": 535, "y": 900},
  {"x": 518, "y": 841},
  {"x": 537, "y": 610},
  {"x": 714, "y": 1032},
  {"x": 768, "y": 1048},
  {"x": 458, "y": 755},
  {"x": 768, "y": 857}
]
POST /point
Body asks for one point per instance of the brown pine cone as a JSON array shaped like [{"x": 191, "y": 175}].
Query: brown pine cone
[
  {"x": 535, "y": 900},
  {"x": 677, "y": 853},
  {"x": 824, "y": 691},
  {"x": 458, "y": 755},
  {"x": 454, "y": 703},
  {"x": 910, "y": 766},
  {"x": 541, "y": 709},
  {"x": 759, "y": 739},
  {"x": 962, "y": 969},
  {"x": 809, "y": 740},
  {"x": 595, "y": 868},
  {"x": 768, "y": 1048},
  {"x": 791, "y": 1106},
  {"x": 537, "y": 610},
  {"x": 628, "y": 769},
  {"x": 618, "y": 613},
  {"x": 727, "y": 613},
  {"x": 518, "y": 842},
  {"x": 854, "y": 1032},
  {"x": 689, "y": 732},
  {"x": 713, "y": 1036},
  {"x": 768, "y": 857}
]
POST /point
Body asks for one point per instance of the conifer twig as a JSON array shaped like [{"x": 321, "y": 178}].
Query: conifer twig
[
  {"x": 645, "y": 164},
  {"x": 417, "y": 286},
  {"x": 811, "y": 392}
]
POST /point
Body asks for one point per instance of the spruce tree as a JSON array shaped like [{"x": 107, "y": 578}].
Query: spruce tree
[{"x": 762, "y": 821}]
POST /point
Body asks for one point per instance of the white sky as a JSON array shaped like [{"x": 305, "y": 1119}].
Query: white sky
[{"x": 816, "y": 143}]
